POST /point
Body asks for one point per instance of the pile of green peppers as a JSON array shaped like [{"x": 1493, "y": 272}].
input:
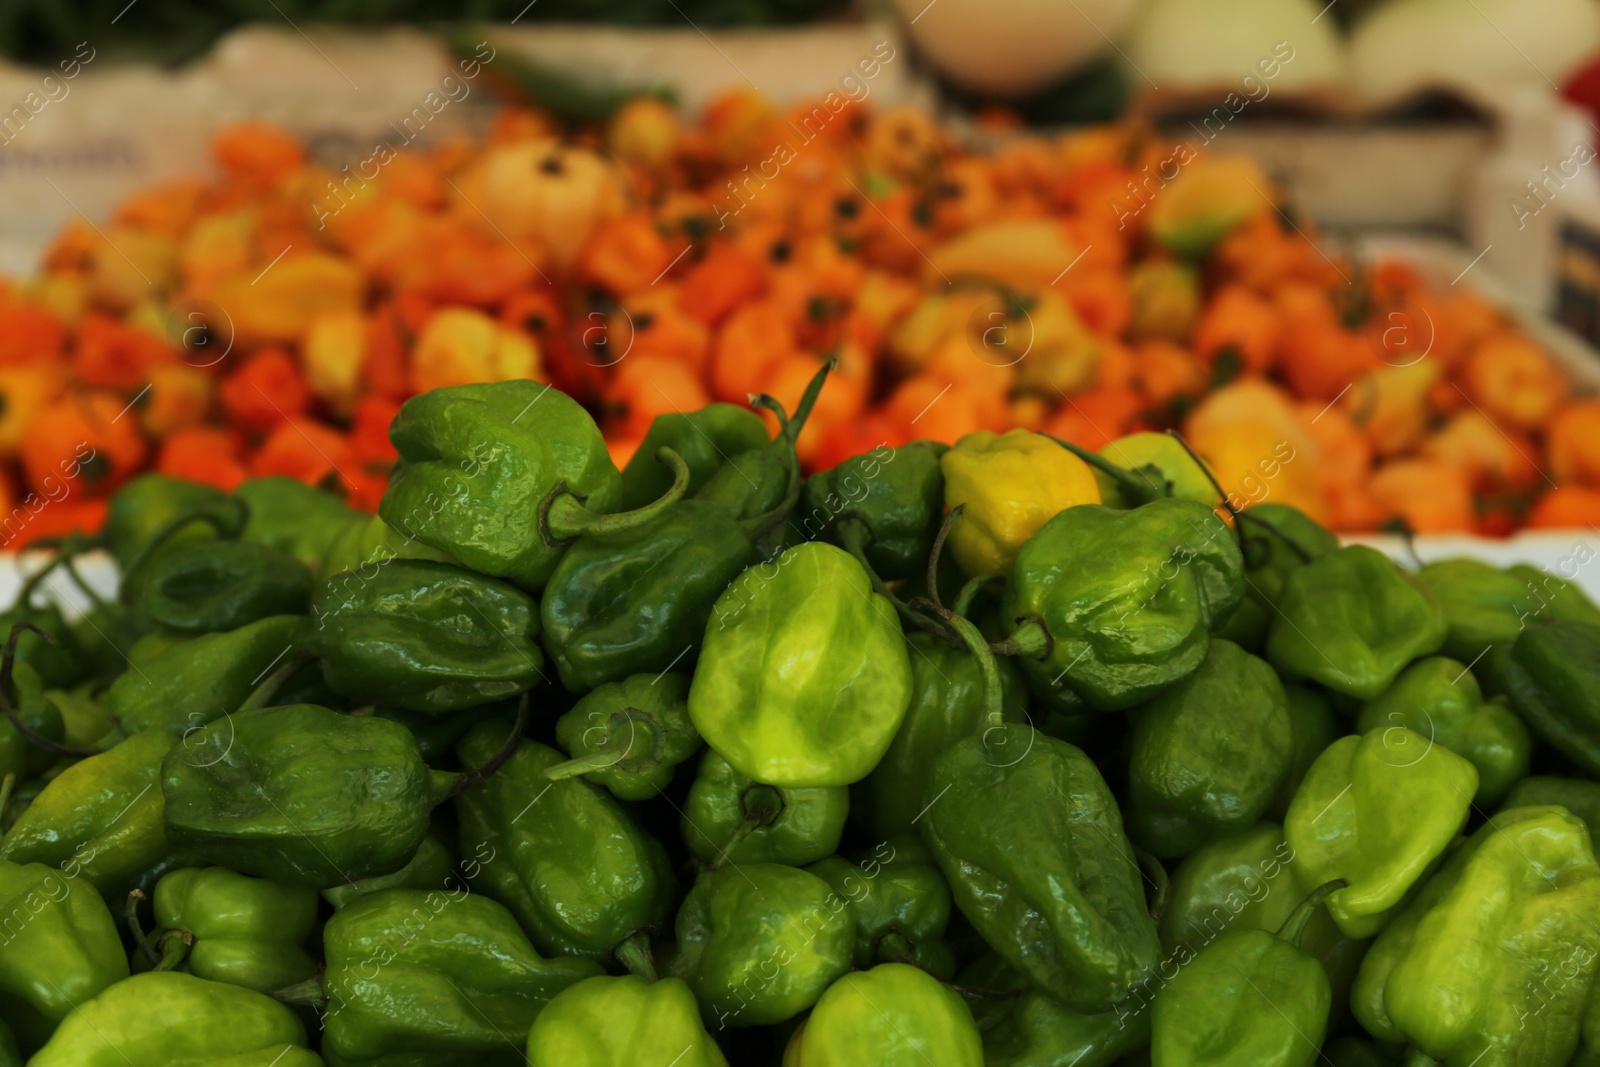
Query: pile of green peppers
[{"x": 703, "y": 762}]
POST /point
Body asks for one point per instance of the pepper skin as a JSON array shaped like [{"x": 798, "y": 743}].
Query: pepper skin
[
  {"x": 1121, "y": 604},
  {"x": 1552, "y": 678},
  {"x": 1437, "y": 698},
  {"x": 903, "y": 1015},
  {"x": 729, "y": 818},
  {"x": 1560, "y": 599},
  {"x": 146, "y": 505},
  {"x": 61, "y": 948},
  {"x": 1377, "y": 810},
  {"x": 1009, "y": 485},
  {"x": 900, "y": 902},
  {"x": 1313, "y": 727},
  {"x": 101, "y": 818},
  {"x": 1351, "y": 620},
  {"x": 1483, "y": 605},
  {"x": 223, "y": 585},
  {"x": 433, "y": 867},
  {"x": 1578, "y": 796},
  {"x": 246, "y": 931},
  {"x": 1057, "y": 893},
  {"x": 568, "y": 860},
  {"x": 433, "y": 977},
  {"x": 365, "y": 543},
  {"x": 1208, "y": 755},
  {"x": 946, "y": 705},
  {"x": 629, "y": 736},
  {"x": 189, "y": 684},
  {"x": 1033, "y": 1030},
  {"x": 301, "y": 794},
  {"x": 426, "y": 636},
  {"x": 883, "y": 506},
  {"x": 482, "y": 466},
  {"x": 804, "y": 676},
  {"x": 760, "y": 943},
  {"x": 295, "y": 518},
  {"x": 1492, "y": 962},
  {"x": 622, "y": 1022},
  {"x": 1276, "y": 539},
  {"x": 704, "y": 438},
  {"x": 1251, "y": 996},
  {"x": 136, "y": 1023}
]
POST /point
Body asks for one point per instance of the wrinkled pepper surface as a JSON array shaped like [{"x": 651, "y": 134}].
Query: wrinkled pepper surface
[
  {"x": 1551, "y": 675},
  {"x": 730, "y": 818},
  {"x": 246, "y": 931},
  {"x": 900, "y": 902},
  {"x": 883, "y": 506},
  {"x": 622, "y": 1022},
  {"x": 903, "y": 1015},
  {"x": 629, "y": 736}
]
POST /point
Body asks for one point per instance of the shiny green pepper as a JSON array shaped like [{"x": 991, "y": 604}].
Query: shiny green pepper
[
  {"x": 760, "y": 943},
  {"x": 1249, "y": 997},
  {"x": 59, "y": 662},
  {"x": 301, "y": 794},
  {"x": 244, "y": 931},
  {"x": 804, "y": 676},
  {"x": 580, "y": 876},
  {"x": 101, "y": 818},
  {"x": 1482, "y": 604},
  {"x": 1560, "y": 599},
  {"x": 730, "y": 818},
  {"x": 1276, "y": 539},
  {"x": 1208, "y": 755},
  {"x": 188, "y": 684},
  {"x": 500, "y": 474},
  {"x": 1137, "y": 468},
  {"x": 1438, "y": 698},
  {"x": 946, "y": 705},
  {"x": 883, "y": 506},
  {"x": 38, "y": 715},
  {"x": 622, "y": 1022},
  {"x": 1492, "y": 962},
  {"x": 629, "y": 736},
  {"x": 433, "y": 867},
  {"x": 61, "y": 948},
  {"x": 900, "y": 1015},
  {"x": 443, "y": 977},
  {"x": 223, "y": 585},
  {"x": 168, "y": 1019},
  {"x": 364, "y": 543},
  {"x": 1352, "y": 620},
  {"x": 1376, "y": 810},
  {"x": 143, "y": 506},
  {"x": 1031, "y": 842},
  {"x": 900, "y": 902},
  {"x": 295, "y": 518},
  {"x": 763, "y": 480},
  {"x": 1313, "y": 727},
  {"x": 426, "y": 636},
  {"x": 1552, "y": 678},
  {"x": 1578, "y": 796},
  {"x": 1032, "y": 1030},
  {"x": 1119, "y": 605},
  {"x": 706, "y": 439}
]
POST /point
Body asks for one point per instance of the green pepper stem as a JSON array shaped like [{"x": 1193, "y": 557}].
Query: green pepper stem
[
  {"x": 469, "y": 778},
  {"x": 1272, "y": 528},
  {"x": 136, "y": 928},
  {"x": 594, "y": 761},
  {"x": 854, "y": 532},
  {"x": 1156, "y": 874},
  {"x": 262, "y": 694},
  {"x": 310, "y": 992},
  {"x": 8, "y": 706},
  {"x": 808, "y": 400},
  {"x": 7, "y": 785},
  {"x": 1222, "y": 494},
  {"x": 969, "y": 593},
  {"x": 938, "y": 551},
  {"x": 1138, "y": 487},
  {"x": 174, "y": 946},
  {"x": 1030, "y": 640},
  {"x": 978, "y": 645},
  {"x": 765, "y": 810},
  {"x": 563, "y": 516},
  {"x": 36, "y": 579},
  {"x": 634, "y": 954},
  {"x": 223, "y": 526},
  {"x": 1295, "y": 924}
]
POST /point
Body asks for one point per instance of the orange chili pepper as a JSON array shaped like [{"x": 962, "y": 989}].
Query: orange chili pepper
[
  {"x": 90, "y": 440},
  {"x": 257, "y": 153},
  {"x": 1240, "y": 321},
  {"x": 202, "y": 454},
  {"x": 264, "y": 390},
  {"x": 724, "y": 279},
  {"x": 308, "y": 452},
  {"x": 626, "y": 253},
  {"x": 1573, "y": 443},
  {"x": 1428, "y": 496},
  {"x": 1512, "y": 380},
  {"x": 29, "y": 334},
  {"x": 1566, "y": 506}
]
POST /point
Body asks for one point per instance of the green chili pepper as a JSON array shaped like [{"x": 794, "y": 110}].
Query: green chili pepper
[
  {"x": 1377, "y": 810},
  {"x": 500, "y": 475},
  {"x": 295, "y": 518},
  {"x": 883, "y": 506},
  {"x": 38, "y": 717},
  {"x": 61, "y": 948},
  {"x": 1028, "y": 1029},
  {"x": 1118, "y": 605},
  {"x": 433, "y": 867},
  {"x": 731, "y": 818},
  {"x": 706, "y": 439},
  {"x": 223, "y": 585},
  {"x": 580, "y": 876},
  {"x": 59, "y": 662},
  {"x": 804, "y": 676},
  {"x": 1249, "y": 997},
  {"x": 1560, "y": 599},
  {"x": 905, "y": 1017},
  {"x": 1552, "y": 678},
  {"x": 1438, "y": 698},
  {"x": 1276, "y": 539},
  {"x": 434, "y": 977},
  {"x": 1493, "y": 960},
  {"x": 1208, "y": 755},
  {"x": 1352, "y": 620},
  {"x": 900, "y": 902},
  {"x": 1580, "y": 797},
  {"x": 243, "y": 931},
  {"x": 622, "y": 1022},
  {"x": 365, "y": 543},
  {"x": 186, "y": 685},
  {"x": 169, "y": 1019},
  {"x": 1313, "y": 727},
  {"x": 146, "y": 506},
  {"x": 1483, "y": 605},
  {"x": 760, "y": 943},
  {"x": 629, "y": 736}
]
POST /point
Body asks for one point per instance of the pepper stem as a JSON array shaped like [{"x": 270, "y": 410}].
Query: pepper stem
[
  {"x": 1210, "y": 476},
  {"x": 1156, "y": 874},
  {"x": 763, "y": 805},
  {"x": 7, "y": 785},
  {"x": 8, "y": 706},
  {"x": 1030, "y": 640},
  {"x": 309, "y": 992},
  {"x": 223, "y": 525},
  {"x": 634, "y": 954},
  {"x": 854, "y": 535},
  {"x": 469, "y": 778},
  {"x": 969, "y": 593},
  {"x": 594, "y": 761},
  {"x": 938, "y": 551},
  {"x": 175, "y": 946},
  {"x": 1139, "y": 488},
  {"x": 262, "y": 694},
  {"x": 1295, "y": 924},
  {"x": 563, "y": 516},
  {"x": 978, "y": 645},
  {"x": 136, "y": 928}
]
